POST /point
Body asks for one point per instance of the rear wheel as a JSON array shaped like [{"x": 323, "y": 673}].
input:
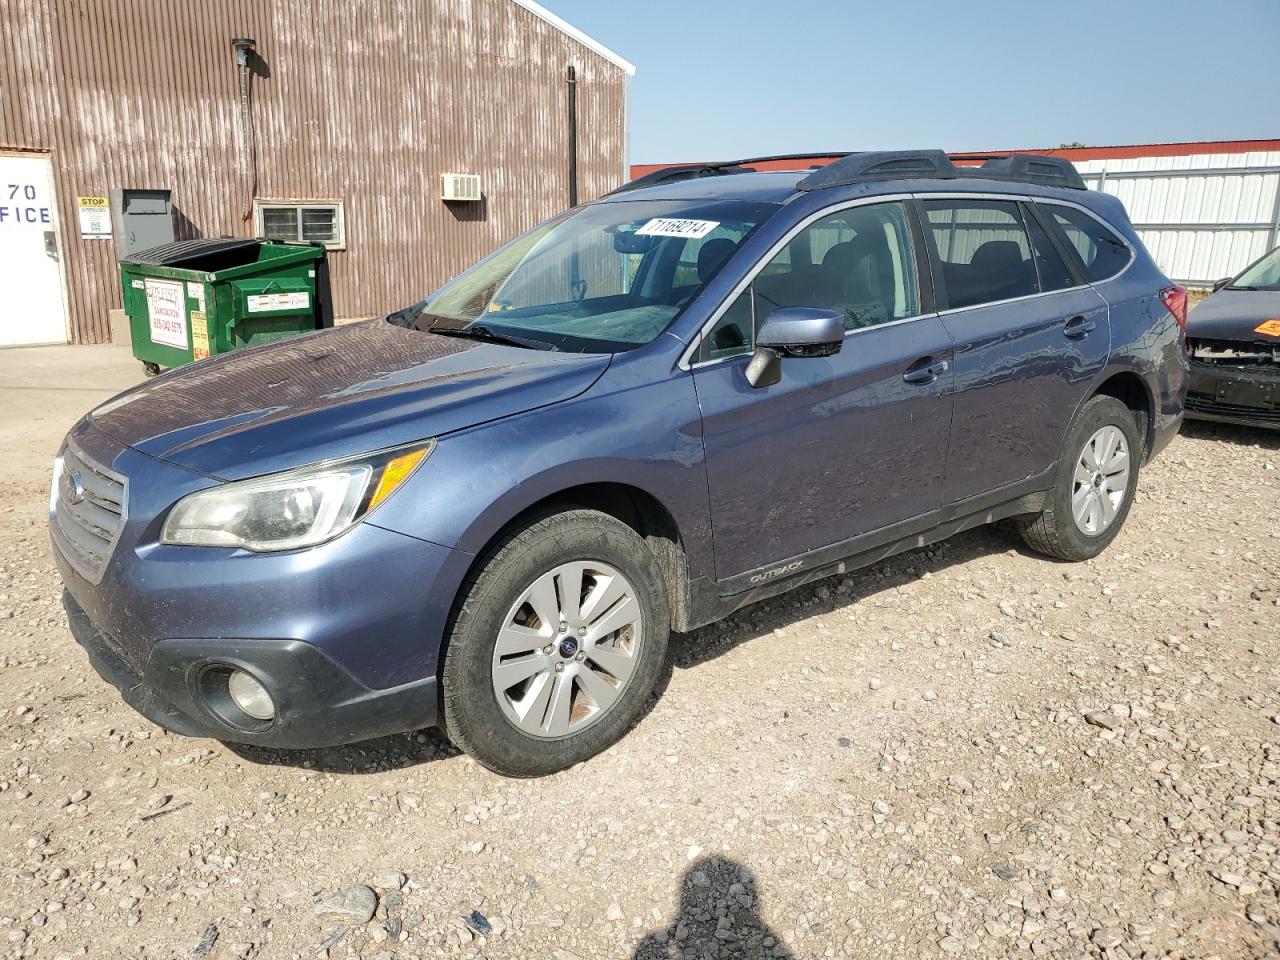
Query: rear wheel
[
  {"x": 1094, "y": 485},
  {"x": 558, "y": 642}
]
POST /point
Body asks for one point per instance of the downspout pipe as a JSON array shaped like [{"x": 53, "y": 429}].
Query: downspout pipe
[
  {"x": 243, "y": 47},
  {"x": 572, "y": 83}
]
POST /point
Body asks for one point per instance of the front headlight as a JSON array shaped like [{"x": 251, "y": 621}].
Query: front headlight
[{"x": 298, "y": 508}]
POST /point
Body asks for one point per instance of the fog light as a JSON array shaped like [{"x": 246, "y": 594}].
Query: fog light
[{"x": 250, "y": 696}]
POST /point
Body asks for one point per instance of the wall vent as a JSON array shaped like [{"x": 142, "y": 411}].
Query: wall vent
[{"x": 461, "y": 186}]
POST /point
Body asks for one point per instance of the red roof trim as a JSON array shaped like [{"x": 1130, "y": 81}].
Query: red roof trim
[{"x": 1074, "y": 154}]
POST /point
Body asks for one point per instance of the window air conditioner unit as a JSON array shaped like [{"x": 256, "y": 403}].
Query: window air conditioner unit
[{"x": 461, "y": 186}]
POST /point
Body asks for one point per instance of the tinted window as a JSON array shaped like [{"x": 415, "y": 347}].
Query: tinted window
[
  {"x": 1102, "y": 252},
  {"x": 984, "y": 251},
  {"x": 1050, "y": 268},
  {"x": 858, "y": 261}
]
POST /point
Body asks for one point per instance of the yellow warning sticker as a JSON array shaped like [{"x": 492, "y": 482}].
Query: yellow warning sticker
[
  {"x": 199, "y": 336},
  {"x": 1270, "y": 327}
]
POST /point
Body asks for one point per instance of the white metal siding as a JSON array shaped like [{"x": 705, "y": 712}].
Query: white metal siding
[{"x": 1198, "y": 226}]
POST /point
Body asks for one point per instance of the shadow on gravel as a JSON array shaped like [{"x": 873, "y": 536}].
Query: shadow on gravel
[
  {"x": 370, "y": 756},
  {"x": 395, "y": 752},
  {"x": 718, "y": 916},
  {"x": 847, "y": 590},
  {"x": 1261, "y": 437}
]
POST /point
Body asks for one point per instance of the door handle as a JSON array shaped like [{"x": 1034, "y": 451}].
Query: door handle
[
  {"x": 925, "y": 371},
  {"x": 1077, "y": 328}
]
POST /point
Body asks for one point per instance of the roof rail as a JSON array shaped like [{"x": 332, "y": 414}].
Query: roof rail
[
  {"x": 798, "y": 156},
  {"x": 881, "y": 165},
  {"x": 691, "y": 171},
  {"x": 1032, "y": 168},
  {"x": 886, "y": 165},
  {"x": 688, "y": 171},
  {"x": 934, "y": 164}
]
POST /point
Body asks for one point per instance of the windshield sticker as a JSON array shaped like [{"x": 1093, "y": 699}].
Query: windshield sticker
[
  {"x": 1270, "y": 327},
  {"x": 690, "y": 229}
]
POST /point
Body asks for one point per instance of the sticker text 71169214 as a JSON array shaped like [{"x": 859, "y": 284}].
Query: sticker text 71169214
[{"x": 672, "y": 227}]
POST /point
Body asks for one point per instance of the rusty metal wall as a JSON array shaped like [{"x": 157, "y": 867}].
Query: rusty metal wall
[{"x": 365, "y": 102}]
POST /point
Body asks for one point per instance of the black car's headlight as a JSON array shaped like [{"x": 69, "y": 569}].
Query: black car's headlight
[{"x": 297, "y": 508}]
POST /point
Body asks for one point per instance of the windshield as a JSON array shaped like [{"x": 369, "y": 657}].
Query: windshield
[
  {"x": 605, "y": 278},
  {"x": 1263, "y": 275}
]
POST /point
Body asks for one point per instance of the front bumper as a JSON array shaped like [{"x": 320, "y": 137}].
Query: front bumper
[
  {"x": 318, "y": 704},
  {"x": 1234, "y": 394},
  {"x": 345, "y": 635}
]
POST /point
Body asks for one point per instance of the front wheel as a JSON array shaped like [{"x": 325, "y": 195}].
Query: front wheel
[
  {"x": 558, "y": 641},
  {"x": 1094, "y": 484}
]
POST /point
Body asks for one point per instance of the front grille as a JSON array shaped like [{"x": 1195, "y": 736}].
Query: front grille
[
  {"x": 89, "y": 505},
  {"x": 1235, "y": 353},
  {"x": 1201, "y": 404}
]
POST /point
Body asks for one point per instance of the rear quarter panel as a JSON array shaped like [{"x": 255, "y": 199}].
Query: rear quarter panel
[{"x": 1145, "y": 338}]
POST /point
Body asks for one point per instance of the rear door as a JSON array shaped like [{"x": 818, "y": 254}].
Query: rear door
[
  {"x": 842, "y": 445},
  {"x": 1030, "y": 336}
]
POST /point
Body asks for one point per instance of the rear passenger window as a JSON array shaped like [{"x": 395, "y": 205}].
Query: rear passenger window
[
  {"x": 1050, "y": 268},
  {"x": 984, "y": 251},
  {"x": 1102, "y": 252}
]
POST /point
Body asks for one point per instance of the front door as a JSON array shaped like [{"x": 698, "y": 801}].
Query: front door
[
  {"x": 841, "y": 445},
  {"x": 30, "y": 261},
  {"x": 1030, "y": 337}
]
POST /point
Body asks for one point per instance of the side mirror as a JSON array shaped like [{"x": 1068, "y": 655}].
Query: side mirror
[
  {"x": 1219, "y": 284},
  {"x": 793, "y": 332}
]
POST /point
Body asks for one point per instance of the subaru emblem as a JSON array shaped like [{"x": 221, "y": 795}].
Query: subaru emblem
[{"x": 73, "y": 488}]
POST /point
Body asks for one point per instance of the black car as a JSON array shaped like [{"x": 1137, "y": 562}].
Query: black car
[{"x": 1233, "y": 342}]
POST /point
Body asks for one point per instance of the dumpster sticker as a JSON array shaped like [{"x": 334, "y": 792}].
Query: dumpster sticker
[
  {"x": 1270, "y": 327},
  {"x": 139, "y": 285},
  {"x": 95, "y": 218},
  {"x": 199, "y": 335},
  {"x": 261, "y": 302},
  {"x": 669, "y": 227},
  {"x": 196, "y": 292},
  {"x": 166, "y": 309}
]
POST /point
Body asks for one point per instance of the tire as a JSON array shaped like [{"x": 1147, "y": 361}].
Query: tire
[
  {"x": 1056, "y": 531},
  {"x": 497, "y": 603}
]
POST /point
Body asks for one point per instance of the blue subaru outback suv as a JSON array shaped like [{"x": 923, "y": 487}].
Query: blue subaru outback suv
[{"x": 489, "y": 510}]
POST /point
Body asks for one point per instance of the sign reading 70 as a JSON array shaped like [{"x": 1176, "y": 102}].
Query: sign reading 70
[{"x": 17, "y": 209}]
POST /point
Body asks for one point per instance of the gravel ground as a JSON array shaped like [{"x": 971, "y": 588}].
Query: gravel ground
[{"x": 965, "y": 751}]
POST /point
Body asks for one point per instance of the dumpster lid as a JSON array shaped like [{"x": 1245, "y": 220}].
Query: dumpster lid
[{"x": 184, "y": 251}]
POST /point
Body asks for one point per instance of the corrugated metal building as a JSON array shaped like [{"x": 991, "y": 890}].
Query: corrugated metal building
[
  {"x": 1205, "y": 210},
  {"x": 355, "y": 112}
]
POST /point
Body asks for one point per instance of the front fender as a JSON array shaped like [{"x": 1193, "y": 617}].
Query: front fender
[{"x": 624, "y": 431}]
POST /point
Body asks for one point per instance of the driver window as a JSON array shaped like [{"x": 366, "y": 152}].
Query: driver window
[{"x": 859, "y": 262}]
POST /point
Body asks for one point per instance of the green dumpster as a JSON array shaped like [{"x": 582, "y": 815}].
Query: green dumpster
[{"x": 197, "y": 298}]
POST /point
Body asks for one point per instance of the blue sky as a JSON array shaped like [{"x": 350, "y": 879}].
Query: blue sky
[{"x": 718, "y": 79}]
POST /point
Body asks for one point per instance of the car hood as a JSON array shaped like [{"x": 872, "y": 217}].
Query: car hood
[
  {"x": 1233, "y": 315},
  {"x": 336, "y": 393}
]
